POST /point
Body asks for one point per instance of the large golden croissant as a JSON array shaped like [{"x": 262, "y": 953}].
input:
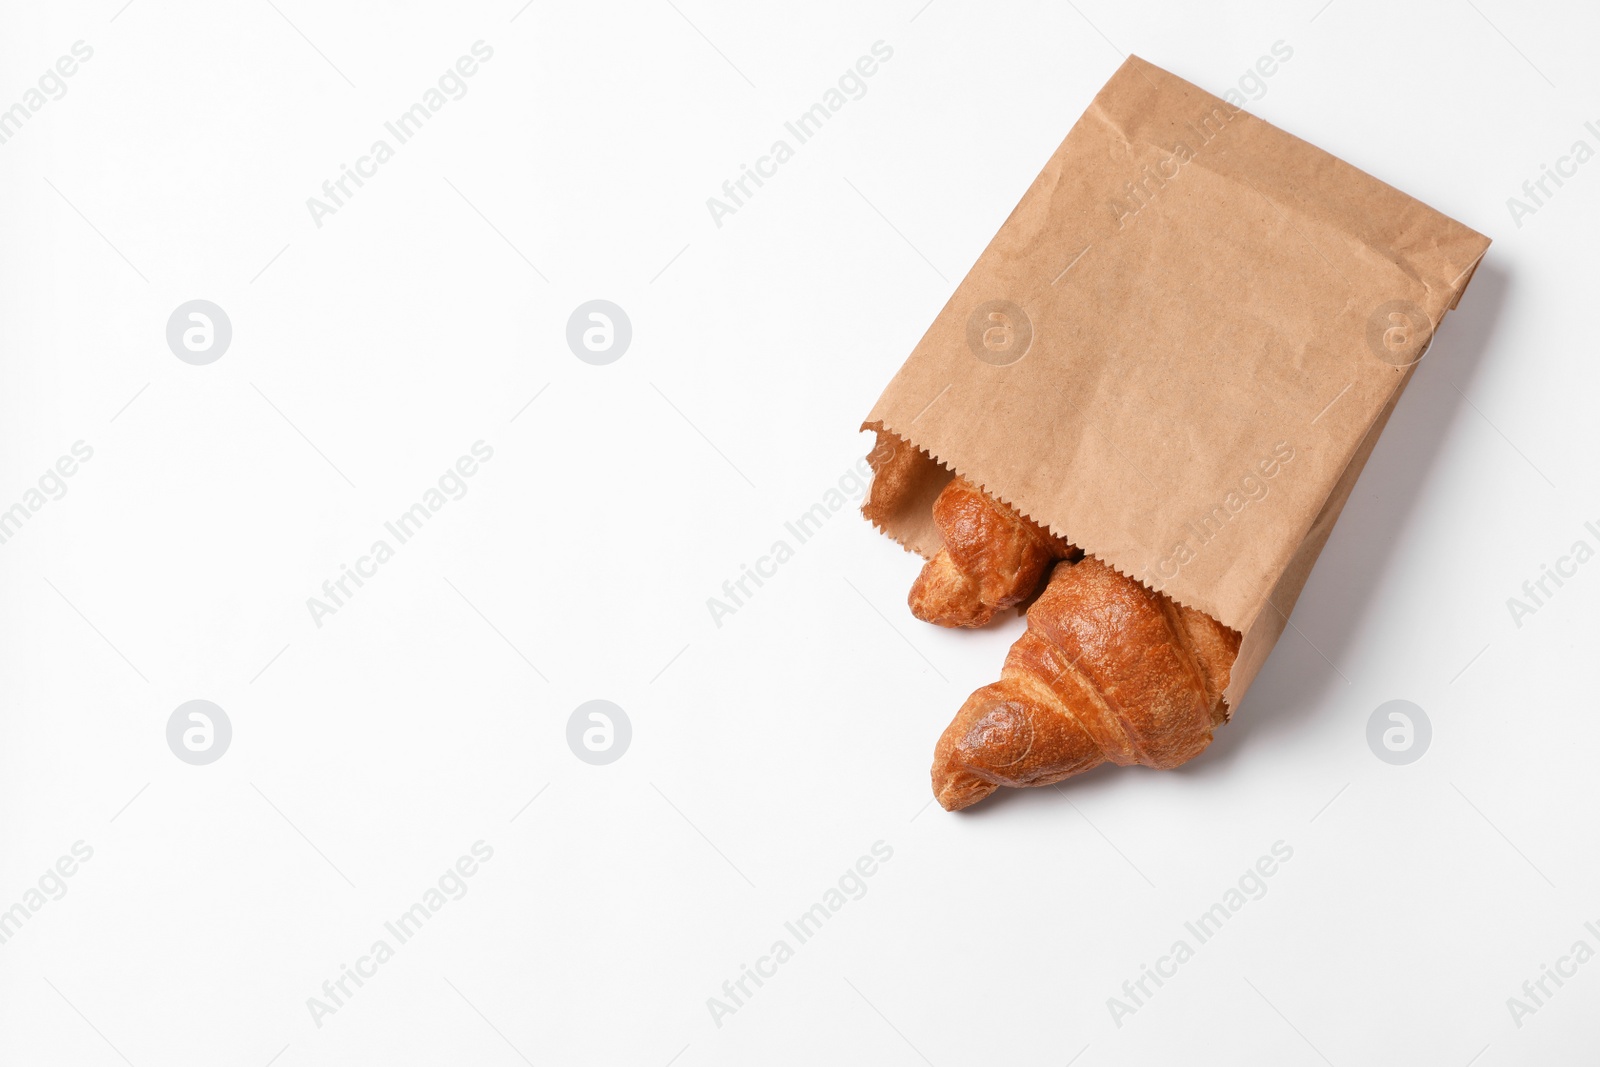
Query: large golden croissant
[
  {"x": 992, "y": 559},
  {"x": 1107, "y": 670}
]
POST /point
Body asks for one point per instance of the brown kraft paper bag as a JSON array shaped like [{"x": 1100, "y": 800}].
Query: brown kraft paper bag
[{"x": 1179, "y": 351}]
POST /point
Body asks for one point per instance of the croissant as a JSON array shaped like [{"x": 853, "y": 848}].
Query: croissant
[
  {"x": 894, "y": 466},
  {"x": 992, "y": 559},
  {"x": 1107, "y": 670}
]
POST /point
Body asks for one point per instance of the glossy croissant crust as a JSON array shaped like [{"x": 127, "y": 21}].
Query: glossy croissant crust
[
  {"x": 993, "y": 558},
  {"x": 1107, "y": 671}
]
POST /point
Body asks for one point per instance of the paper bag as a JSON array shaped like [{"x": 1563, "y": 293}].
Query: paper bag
[{"x": 1179, "y": 351}]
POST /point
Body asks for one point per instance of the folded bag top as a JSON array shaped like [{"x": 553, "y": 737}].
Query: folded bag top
[{"x": 1179, "y": 350}]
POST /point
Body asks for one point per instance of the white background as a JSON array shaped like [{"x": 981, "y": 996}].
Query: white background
[{"x": 770, "y": 753}]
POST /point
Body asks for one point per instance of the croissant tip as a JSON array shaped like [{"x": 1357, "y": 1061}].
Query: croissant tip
[
  {"x": 957, "y": 789},
  {"x": 942, "y": 610}
]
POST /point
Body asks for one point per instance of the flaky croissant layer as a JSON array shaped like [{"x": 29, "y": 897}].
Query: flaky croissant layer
[
  {"x": 993, "y": 558},
  {"x": 1107, "y": 671}
]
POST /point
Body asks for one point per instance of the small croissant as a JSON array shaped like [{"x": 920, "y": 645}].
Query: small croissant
[
  {"x": 993, "y": 558},
  {"x": 1107, "y": 671}
]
